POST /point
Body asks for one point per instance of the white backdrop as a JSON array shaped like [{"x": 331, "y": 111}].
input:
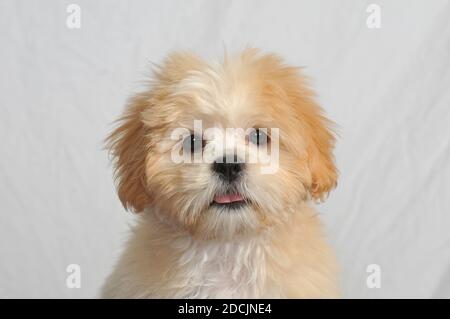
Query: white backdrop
[{"x": 387, "y": 88}]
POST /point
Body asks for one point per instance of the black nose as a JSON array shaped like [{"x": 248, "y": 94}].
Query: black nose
[{"x": 228, "y": 171}]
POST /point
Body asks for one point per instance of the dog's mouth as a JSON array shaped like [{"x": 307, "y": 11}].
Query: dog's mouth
[{"x": 230, "y": 200}]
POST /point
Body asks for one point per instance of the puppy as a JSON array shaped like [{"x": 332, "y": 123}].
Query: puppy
[{"x": 224, "y": 227}]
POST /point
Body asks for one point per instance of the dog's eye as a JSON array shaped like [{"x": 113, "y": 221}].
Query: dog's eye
[
  {"x": 192, "y": 143},
  {"x": 258, "y": 137}
]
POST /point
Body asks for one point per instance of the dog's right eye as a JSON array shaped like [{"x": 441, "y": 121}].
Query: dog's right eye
[
  {"x": 258, "y": 137},
  {"x": 192, "y": 143}
]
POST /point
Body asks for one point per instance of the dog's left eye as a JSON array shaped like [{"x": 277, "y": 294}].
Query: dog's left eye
[
  {"x": 258, "y": 137},
  {"x": 192, "y": 143}
]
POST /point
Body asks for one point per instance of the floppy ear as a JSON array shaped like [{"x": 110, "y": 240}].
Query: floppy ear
[
  {"x": 290, "y": 85},
  {"x": 129, "y": 144},
  {"x": 316, "y": 130},
  {"x": 320, "y": 144},
  {"x": 128, "y": 147}
]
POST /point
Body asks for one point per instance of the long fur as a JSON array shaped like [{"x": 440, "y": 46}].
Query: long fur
[{"x": 182, "y": 247}]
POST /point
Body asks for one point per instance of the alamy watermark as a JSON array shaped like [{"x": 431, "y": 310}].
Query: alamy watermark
[
  {"x": 374, "y": 278},
  {"x": 73, "y": 20},
  {"x": 374, "y": 19},
  {"x": 230, "y": 145},
  {"x": 73, "y": 280}
]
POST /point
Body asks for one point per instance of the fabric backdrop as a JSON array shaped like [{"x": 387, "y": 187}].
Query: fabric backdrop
[{"x": 387, "y": 88}]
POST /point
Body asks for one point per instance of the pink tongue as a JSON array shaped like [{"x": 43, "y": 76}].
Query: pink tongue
[{"x": 230, "y": 198}]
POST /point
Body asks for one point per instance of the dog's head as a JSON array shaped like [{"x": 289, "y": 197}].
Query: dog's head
[{"x": 224, "y": 121}]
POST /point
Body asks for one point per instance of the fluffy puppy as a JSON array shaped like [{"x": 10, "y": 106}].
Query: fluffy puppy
[{"x": 224, "y": 228}]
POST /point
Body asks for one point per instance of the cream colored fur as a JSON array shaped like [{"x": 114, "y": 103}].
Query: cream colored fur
[
  {"x": 182, "y": 246},
  {"x": 290, "y": 261}
]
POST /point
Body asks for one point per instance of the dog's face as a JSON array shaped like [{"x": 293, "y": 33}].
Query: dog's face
[{"x": 249, "y": 107}]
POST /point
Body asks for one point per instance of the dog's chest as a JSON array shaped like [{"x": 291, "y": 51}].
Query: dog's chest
[{"x": 218, "y": 270}]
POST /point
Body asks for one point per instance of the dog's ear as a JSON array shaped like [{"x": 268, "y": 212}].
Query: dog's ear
[
  {"x": 318, "y": 135},
  {"x": 289, "y": 85},
  {"x": 320, "y": 146},
  {"x": 128, "y": 146},
  {"x": 129, "y": 143},
  {"x": 320, "y": 142}
]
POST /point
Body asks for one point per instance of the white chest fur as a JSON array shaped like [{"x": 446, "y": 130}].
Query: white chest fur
[{"x": 235, "y": 269}]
